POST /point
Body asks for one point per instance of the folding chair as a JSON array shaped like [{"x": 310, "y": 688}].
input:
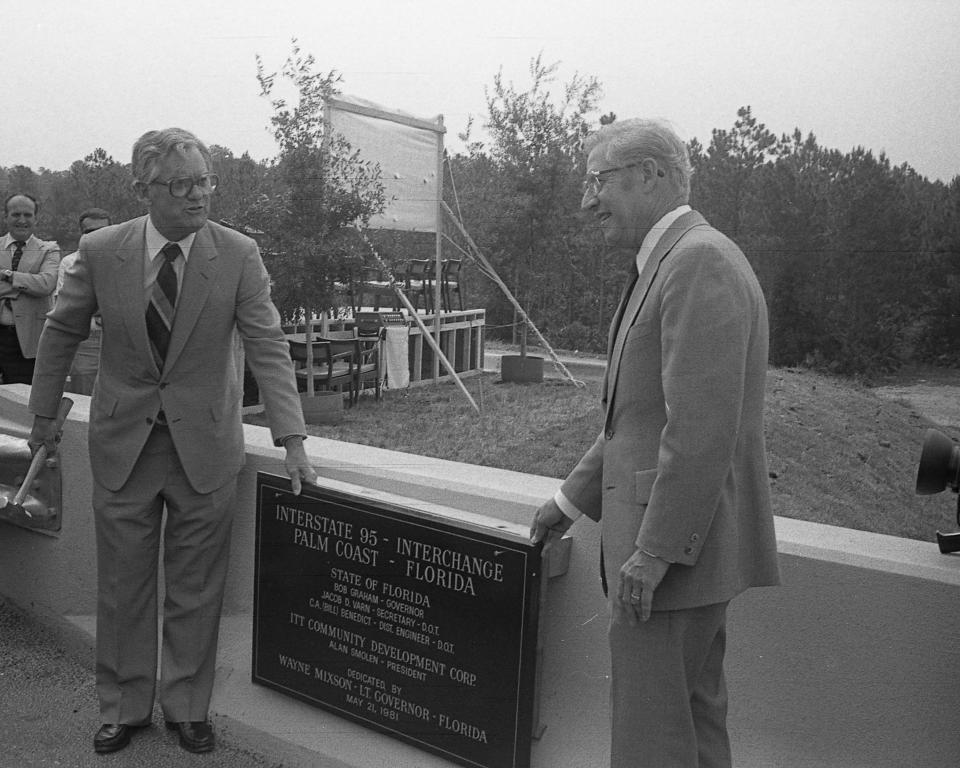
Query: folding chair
[
  {"x": 332, "y": 367},
  {"x": 365, "y": 354},
  {"x": 420, "y": 274},
  {"x": 372, "y": 283},
  {"x": 450, "y": 283}
]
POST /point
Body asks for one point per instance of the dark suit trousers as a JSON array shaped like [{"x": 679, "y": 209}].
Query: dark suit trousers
[
  {"x": 196, "y": 538},
  {"x": 14, "y": 367},
  {"x": 668, "y": 694}
]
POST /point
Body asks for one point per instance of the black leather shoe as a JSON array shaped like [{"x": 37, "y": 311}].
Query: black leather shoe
[
  {"x": 194, "y": 736},
  {"x": 112, "y": 737}
]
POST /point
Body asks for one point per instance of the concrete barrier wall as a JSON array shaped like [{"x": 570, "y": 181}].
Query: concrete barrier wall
[
  {"x": 52, "y": 575},
  {"x": 853, "y": 662}
]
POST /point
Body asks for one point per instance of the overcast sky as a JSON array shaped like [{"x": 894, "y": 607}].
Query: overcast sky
[{"x": 82, "y": 74}]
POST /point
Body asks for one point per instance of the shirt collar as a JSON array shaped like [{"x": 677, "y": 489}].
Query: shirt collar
[
  {"x": 656, "y": 232},
  {"x": 156, "y": 241},
  {"x": 8, "y": 240}
]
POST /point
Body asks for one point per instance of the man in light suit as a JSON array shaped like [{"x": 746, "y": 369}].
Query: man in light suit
[
  {"x": 678, "y": 476},
  {"x": 173, "y": 291},
  {"x": 28, "y": 275}
]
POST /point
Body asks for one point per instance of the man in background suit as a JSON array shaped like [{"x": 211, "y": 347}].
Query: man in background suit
[
  {"x": 28, "y": 275},
  {"x": 174, "y": 291},
  {"x": 678, "y": 476},
  {"x": 83, "y": 372}
]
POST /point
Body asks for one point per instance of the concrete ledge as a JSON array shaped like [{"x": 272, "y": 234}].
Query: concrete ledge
[
  {"x": 864, "y": 549},
  {"x": 852, "y": 663}
]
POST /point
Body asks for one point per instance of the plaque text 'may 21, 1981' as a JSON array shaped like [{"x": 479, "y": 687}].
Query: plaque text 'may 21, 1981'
[{"x": 408, "y": 623}]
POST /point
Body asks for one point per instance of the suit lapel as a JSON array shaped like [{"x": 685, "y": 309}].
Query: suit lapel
[
  {"x": 193, "y": 293},
  {"x": 128, "y": 284},
  {"x": 639, "y": 294},
  {"x": 615, "y": 324},
  {"x": 31, "y": 257}
]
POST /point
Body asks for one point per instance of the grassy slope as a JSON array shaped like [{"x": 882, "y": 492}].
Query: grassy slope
[{"x": 838, "y": 453}]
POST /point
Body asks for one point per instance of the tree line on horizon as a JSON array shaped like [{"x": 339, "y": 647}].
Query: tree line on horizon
[{"x": 859, "y": 259}]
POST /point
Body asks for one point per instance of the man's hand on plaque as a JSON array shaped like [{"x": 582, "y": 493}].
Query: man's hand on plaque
[{"x": 297, "y": 464}]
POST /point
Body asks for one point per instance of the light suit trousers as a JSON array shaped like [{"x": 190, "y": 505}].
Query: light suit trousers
[
  {"x": 668, "y": 692},
  {"x": 196, "y": 538}
]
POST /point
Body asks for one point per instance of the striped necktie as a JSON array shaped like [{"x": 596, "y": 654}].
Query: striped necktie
[
  {"x": 17, "y": 255},
  {"x": 163, "y": 303},
  {"x": 14, "y": 263}
]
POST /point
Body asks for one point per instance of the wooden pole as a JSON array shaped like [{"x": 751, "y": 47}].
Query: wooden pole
[
  {"x": 308, "y": 340},
  {"x": 434, "y": 343},
  {"x": 492, "y": 274},
  {"x": 438, "y": 265}
]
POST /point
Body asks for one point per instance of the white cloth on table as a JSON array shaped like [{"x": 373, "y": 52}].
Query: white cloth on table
[{"x": 395, "y": 355}]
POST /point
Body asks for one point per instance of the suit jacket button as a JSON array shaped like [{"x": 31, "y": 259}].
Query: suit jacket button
[
  {"x": 694, "y": 537},
  {"x": 689, "y": 550},
  {"x": 149, "y": 420},
  {"x": 608, "y": 434}
]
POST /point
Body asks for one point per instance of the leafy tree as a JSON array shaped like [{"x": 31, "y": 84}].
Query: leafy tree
[
  {"x": 938, "y": 333},
  {"x": 242, "y": 182},
  {"x": 320, "y": 188},
  {"x": 100, "y": 181},
  {"x": 19, "y": 179},
  {"x": 837, "y": 241},
  {"x": 860, "y": 261},
  {"x": 790, "y": 241},
  {"x": 724, "y": 184},
  {"x": 522, "y": 193},
  {"x": 871, "y": 287}
]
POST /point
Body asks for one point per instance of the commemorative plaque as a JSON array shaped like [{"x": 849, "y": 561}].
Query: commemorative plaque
[{"x": 413, "y": 624}]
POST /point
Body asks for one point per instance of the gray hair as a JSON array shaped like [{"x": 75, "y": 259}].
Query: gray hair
[
  {"x": 153, "y": 146},
  {"x": 631, "y": 141}
]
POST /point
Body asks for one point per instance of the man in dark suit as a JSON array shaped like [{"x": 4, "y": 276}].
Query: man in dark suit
[
  {"x": 28, "y": 275},
  {"x": 678, "y": 476},
  {"x": 174, "y": 292}
]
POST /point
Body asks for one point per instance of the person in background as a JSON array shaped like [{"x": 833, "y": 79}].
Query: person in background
[
  {"x": 166, "y": 434},
  {"x": 678, "y": 476},
  {"x": 28, "y": 275},
  {"x": 83, "y": 372}
]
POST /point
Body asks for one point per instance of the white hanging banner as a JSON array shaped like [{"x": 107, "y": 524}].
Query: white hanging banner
[
  {"x": 396, "y": 345},
  {"x": 406, "y": 148}
]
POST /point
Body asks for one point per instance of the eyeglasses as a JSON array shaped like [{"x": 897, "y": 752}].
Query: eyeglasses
[
  {"x": 183, "y": 187},
  {"x": 594, "y": 181}
]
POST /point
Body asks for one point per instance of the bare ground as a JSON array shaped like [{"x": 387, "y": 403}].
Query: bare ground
[
  {"x": 935, "y": 392},
  {"x": 847, "y": 454}
]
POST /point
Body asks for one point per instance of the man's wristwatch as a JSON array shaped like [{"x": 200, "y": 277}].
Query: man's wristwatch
[{"x": 7, "y": 275}]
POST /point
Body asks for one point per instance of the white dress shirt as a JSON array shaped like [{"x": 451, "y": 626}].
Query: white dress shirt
[{"x": 155, "y": 244}]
